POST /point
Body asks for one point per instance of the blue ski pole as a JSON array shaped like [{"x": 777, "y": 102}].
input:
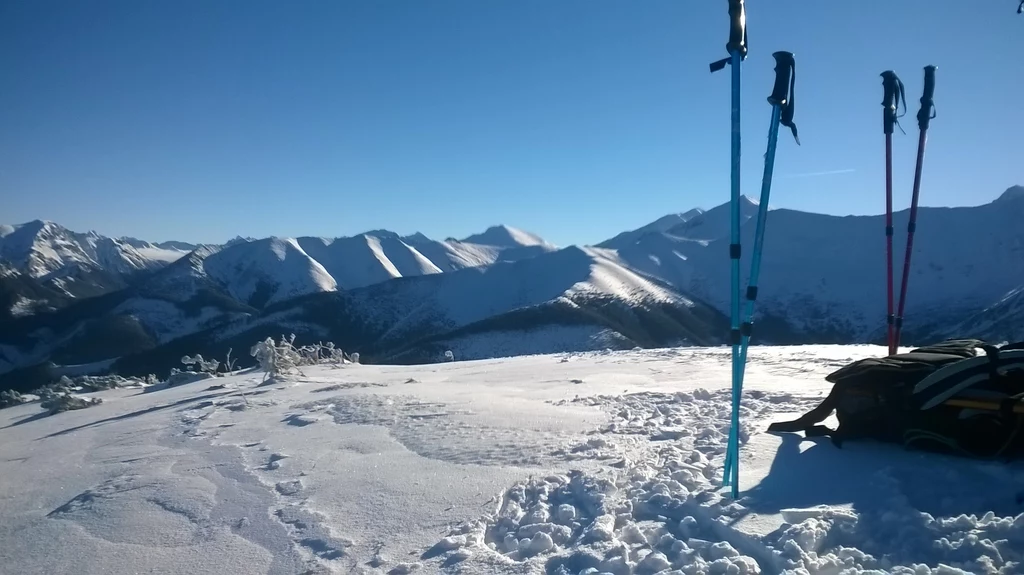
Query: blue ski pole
[
  {"x": 737, "y": 48},
  {"x": 782, "y": 100}
]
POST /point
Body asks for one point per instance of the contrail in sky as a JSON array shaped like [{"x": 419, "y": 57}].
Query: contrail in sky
[{"x": 826, "y": 173}]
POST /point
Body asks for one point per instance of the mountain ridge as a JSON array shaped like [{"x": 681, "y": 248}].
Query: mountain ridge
[{"x": 405, "y": 298}]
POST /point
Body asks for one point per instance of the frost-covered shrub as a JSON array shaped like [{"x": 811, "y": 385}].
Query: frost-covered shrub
[
  {"x": 11, "y": 398},
  {"x": 323, "y": 353},
  {"x": 201, "y": 364},
  {"x": 179, "y": 377},
  {"x": 333, "y": 355},
  {"x": 56, "y": 403},
  {"x": 277, "y": 358},
  {"x": 229, "y": 364},
  {"x": 89, "y": 383},
  {"x": 311, "y": 354}
]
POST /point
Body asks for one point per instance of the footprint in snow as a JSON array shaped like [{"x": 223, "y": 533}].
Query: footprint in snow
[
  {"x": 300, "y": 420},
  {"x": 289, "y": 487},
  {"x": 274, "y": 462}
]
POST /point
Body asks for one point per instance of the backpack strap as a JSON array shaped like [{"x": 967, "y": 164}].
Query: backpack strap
[{"x": 812, "y": 418}]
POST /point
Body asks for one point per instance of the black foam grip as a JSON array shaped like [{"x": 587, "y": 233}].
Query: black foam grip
[
  {"x": 927, "y": 111},
  {"x": 890, "y": 86},
  {"x": 783, "y": 77},
  {"x": 737, "y": 28}
]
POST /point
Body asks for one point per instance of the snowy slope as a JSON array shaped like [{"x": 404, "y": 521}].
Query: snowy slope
[
  {"x": 662, "y": 224},
  {"x": 263, "y": 287},
  {"x": 1001, "y": 321},
  {"x": 182, "y": 279},
  {"x": 42, "y": 248},
  {"x": 822, "y": 281},
  {"x": 57, "y": 265},
  {"x": 267, "y": 271},
  {"x": 557, "y": 464},
  {"x": 470, "y": 295},
  {"x": 573, "y": 299},
  {"x": 715, "y": 223},
  {"x": 325, "y": 264},
  {"x": 21, "y": 294},
  {"x": 368, "y": 258},
  {"x": 505, "y": 237},
  {"x": 823, "y": 277},
  {"x": 162, "y": 251}
]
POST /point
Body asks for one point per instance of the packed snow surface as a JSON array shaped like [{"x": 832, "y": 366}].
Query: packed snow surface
[{"x": 581, "y": 463}]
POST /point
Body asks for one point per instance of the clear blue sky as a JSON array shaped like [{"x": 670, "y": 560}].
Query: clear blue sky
[{"x": 576, "y": 119}]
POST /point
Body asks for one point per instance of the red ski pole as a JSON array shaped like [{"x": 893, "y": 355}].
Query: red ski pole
[
  {"x": 924, "y": 117},
  {"x": 892, "y": 93}
]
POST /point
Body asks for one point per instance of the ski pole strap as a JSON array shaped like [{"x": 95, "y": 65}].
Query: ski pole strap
[
  {"x": 737, "y": 34},
  {"x": 893, "y": 94},
  {"x": 784, "y": 93},
  {"x": 927, "y": 111}
]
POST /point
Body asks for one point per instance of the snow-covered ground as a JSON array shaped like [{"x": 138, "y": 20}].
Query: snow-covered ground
[{"x": 572, "y": 463}]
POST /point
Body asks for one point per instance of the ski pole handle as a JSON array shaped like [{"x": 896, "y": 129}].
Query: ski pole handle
[
  {"x": 737, "y": 28},
  {"x": 927, "y": 111},
  {"x": 783, "y": 78},
  {"x": 890, "y": 88},
  {"x": 784, "y": 93}
]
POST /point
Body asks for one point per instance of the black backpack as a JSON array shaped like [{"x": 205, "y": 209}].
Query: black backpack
[{"x": 943, "y": 397}]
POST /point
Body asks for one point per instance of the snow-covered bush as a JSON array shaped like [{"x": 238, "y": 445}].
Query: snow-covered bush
[
  {"x": 311, "y": 354},
  {"x": 333, "y": 355},
  {"x": 201, "y": 364},
  {"x": 265, "y": 353},
  {"x": 449, "y": 356},
  {"x": 277, "y": 358},
  {"x": 229, "y": 364},
  {"x": 11, "y": 398},
  {"x": 179, "y": 377},
  {"x": 56, "y": 403},
  {"x": 89, "y": 383}
]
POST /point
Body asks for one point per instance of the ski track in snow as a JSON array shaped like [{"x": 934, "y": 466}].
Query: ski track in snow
[{"x": 574, "y": 463}]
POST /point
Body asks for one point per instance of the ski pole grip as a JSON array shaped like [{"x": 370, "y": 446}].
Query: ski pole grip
[
  {"x": 737, "y": 28},
  {"x": 889, "y": 88},
  {"x": 925, "y": 115},
  {"x": 783, "y": 78}
]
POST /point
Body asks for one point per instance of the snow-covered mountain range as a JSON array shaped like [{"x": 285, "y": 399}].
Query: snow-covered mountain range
[{"x": 70, "y": 297}]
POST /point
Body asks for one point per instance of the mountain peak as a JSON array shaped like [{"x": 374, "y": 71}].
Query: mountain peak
[
  {"x": 506, "y": 237},
  {"x": 1012, "y": 193},
  {"x": 416, "y": 238},
  {"x": 382, "y": 234},
  {"x": 239, "y": 240},
  {"x": 36, "y": 226},
  {"x": 660, "y": 225}
]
